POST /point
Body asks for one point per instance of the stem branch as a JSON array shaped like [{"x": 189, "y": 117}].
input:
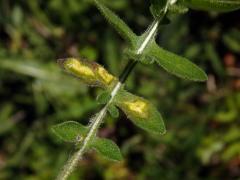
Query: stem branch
[{"x": 73, "y": 161}]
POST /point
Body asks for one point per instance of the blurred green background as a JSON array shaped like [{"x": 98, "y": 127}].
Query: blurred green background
[{"x": 202, "y": 119}]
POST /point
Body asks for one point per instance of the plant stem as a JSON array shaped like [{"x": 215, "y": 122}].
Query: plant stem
[
  {"x": 97, "y": 120},
  {"x": 128, "y": 69},
  {"x": 151, "y": 32}
]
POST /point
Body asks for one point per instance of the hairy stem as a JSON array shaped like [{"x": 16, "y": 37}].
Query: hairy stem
[
  {"x": 97, "y": 120},
  {"x": 151, "y": 32}
]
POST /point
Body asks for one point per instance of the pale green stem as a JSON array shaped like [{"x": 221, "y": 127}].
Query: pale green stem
[{"x": 151, "y": 33}]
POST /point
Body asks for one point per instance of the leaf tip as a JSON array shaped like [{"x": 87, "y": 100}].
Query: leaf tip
[
  {"x": 53, "y": 129},
  {"x": 118, "y": 158},
  {"x": 162, "y": 130},
  {"x": 203, "y": 77}
]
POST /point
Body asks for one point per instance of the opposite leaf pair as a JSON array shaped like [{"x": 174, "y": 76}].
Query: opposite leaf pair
[
  {"x": 140, "y": 111},
  {"x": 74, "y": 132},
  {"x": 169, "y": 61}
]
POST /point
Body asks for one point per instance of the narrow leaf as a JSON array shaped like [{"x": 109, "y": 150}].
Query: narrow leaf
[
  {"x": 107, "y": 148},
  {"x": 212, "y": 5},
  {"x": 175, "y": 64},
  {"x": 141, "y": 112},
  {"x": 113, "y": 110},
  {"x": 70, "y": 131},
  {"x": 121, "y": 27}
]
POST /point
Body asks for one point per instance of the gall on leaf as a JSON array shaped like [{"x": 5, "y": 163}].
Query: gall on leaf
[
  {"x": 140, "y": 111},
  {"x": 89, "y": 72}
]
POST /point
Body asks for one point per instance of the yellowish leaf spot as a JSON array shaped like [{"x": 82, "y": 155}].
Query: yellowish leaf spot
[
  {"x": 138, "y": 107},
  {"x": 105, "y": 75},
  {"x": 78, "y": 68}
]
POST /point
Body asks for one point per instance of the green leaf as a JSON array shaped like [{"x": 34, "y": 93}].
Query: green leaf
[
  {"x": 121, "y": 27},
  {"x": 212, "y": 5},
  {"x": 103, "y": 98},
  {"x": 175, "y": 64},
  {"x": 140, "y": 111},
  {"x": 107, "y": 148},
  {"x": 70, "y": 131},
  {"x": 113, "y": 110}
]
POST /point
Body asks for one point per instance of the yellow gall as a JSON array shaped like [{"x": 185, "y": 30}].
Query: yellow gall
[
  {"x": 107, "y": 78},
  {"x": 138, "y": 107},
  {"x": 78, "y": 68}
]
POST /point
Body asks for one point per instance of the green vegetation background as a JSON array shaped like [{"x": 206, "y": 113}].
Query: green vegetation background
[{"x": 202, "y": 119}]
